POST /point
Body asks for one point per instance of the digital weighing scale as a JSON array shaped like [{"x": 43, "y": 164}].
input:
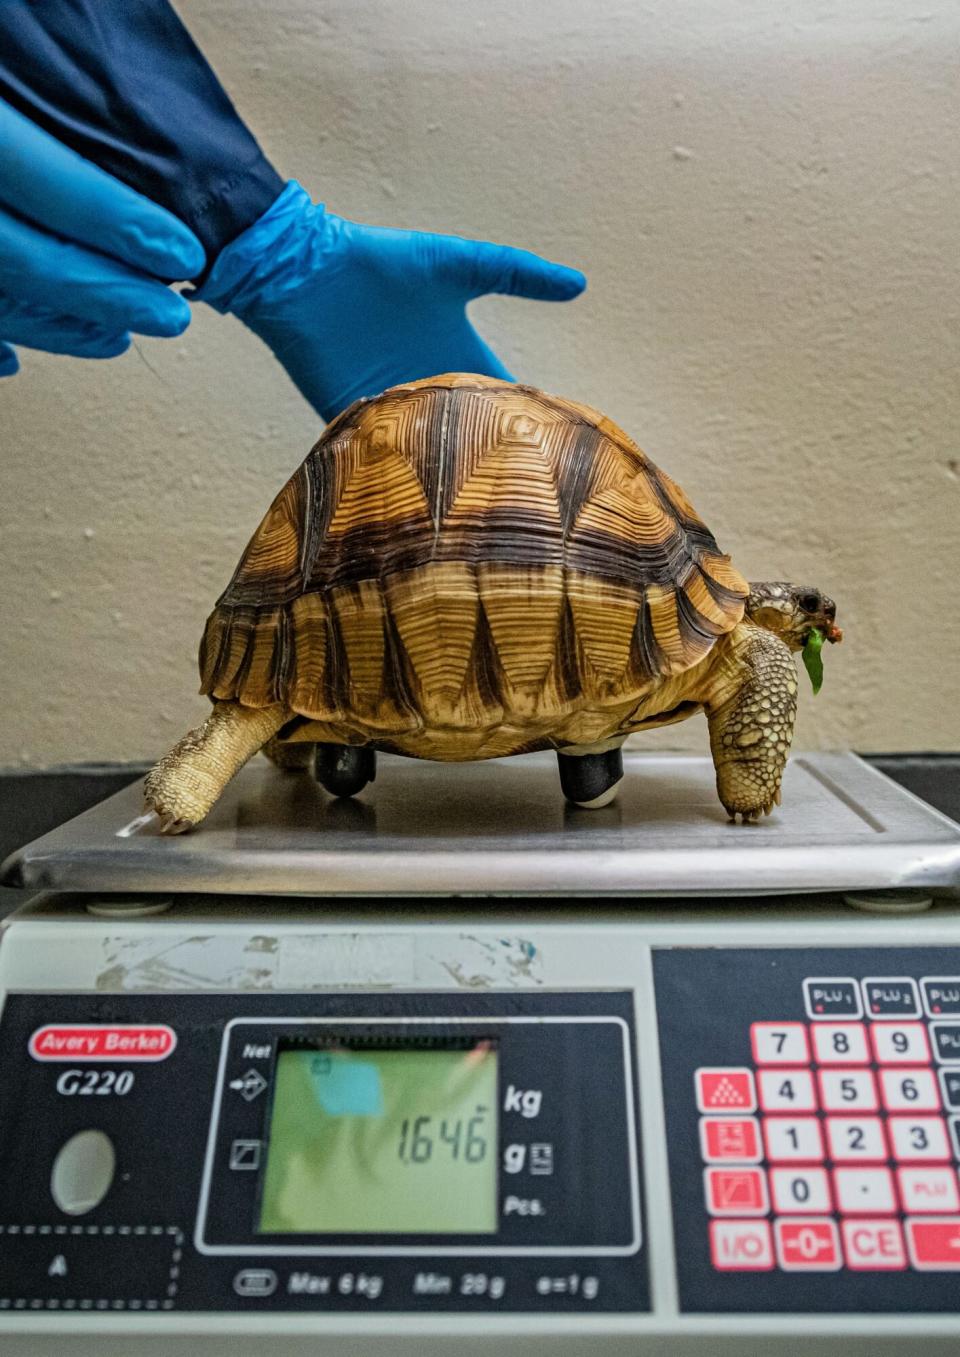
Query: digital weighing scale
[{"x": 455, "y": 1068}]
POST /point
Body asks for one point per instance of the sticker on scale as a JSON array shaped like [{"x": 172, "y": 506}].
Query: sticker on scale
[{"x": 78, "y": 1042}]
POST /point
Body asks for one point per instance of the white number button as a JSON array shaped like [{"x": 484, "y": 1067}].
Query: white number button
[
  {"x": 848, "y": 1091},
  {"x": 909, "y": 1090},
  {"x": 903, "y": 1043},
  {"x": 786, "y": 1091},
  {"x": 856, "y": 1139},
  {"x": 800, "y": 1190},
  {"x": 840, "y": 1043},
  {"x": 864, "y": 1191},
  {"x": 779, "y": 1043},
  {"x": 928, "y": 1189},
  {"x": 918, "y": 1138},
  {"x": 792, "y": 1140}
]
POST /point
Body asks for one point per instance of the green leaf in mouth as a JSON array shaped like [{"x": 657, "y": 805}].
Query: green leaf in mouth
[{"x": 813, "y": 660}]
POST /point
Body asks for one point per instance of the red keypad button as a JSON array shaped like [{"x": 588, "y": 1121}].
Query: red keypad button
[
  {"x": 848, "y": 1090},
  {"x": 856, "y": 1140},
  {"x": 902, "y": 1043},
  {"x": 786, "y": 1090},
  {"x": 918, "y": 1139},
  {"x": 867, "y": 1192},
  {"x": 807, "y": 1244},
  {"x": 840, "y": 1043},
  {"x": 800, "y": 1190},
  {"x": 928, "y": 1189},
  {"x": 736, "y": 1192},
  {"x": 730, "y": 1138},
  {"x": 934, "y": 1244},
  {"x": 741, "y": 1245},
  {"x": 873, "y": 1245},
  {"x": 725, "y": 1088},
  {"x": 779, "y": 1043},
  {"x": 793, "y": 1140},
  {"x": 909, "y": 1090}
]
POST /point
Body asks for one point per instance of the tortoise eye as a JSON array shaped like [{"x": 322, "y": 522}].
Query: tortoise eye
[{"x": 810, "y": 603}]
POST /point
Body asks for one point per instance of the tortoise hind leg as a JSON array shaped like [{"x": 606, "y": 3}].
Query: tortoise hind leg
[
  {"x": 345, "y": 769},
  {"x": 290, "y": 755},
  {"x": 591, "y": 780},
  {"x": 184, "y": 785}
]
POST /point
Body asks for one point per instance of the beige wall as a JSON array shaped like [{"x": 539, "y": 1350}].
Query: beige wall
[{"x": 764, "y": 194}]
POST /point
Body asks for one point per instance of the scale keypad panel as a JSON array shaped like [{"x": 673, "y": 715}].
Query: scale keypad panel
[{"x": 813, "y": 1106}]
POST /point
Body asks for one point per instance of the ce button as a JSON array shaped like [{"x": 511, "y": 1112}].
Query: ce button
[{"x": 255, "y": 1281}]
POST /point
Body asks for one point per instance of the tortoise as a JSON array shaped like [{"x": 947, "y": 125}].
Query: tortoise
[{"x": 465, "y": 567}]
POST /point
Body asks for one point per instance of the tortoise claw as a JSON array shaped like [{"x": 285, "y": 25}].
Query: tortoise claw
[{"x": 169, "y": 824}]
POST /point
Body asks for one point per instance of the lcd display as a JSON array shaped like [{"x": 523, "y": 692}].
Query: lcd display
[{"x": 383, "y": 1141}]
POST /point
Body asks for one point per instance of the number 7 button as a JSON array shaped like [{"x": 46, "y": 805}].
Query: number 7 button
[{"x": 779, "y": 1043}]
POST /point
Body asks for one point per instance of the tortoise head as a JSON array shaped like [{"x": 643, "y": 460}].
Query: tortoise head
[{"x": 793, "y": 611}]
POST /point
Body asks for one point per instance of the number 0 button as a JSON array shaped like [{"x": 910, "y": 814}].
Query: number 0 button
[{"x": 800, "y": 1190}]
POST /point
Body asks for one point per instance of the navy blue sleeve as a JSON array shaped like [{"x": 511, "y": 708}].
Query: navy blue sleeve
[{"x": 124, "y": 84}]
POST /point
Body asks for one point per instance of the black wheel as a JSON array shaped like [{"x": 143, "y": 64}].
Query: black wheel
[
  {"x": 585, "y": 777},
  {"x": 343, "y": 769}
]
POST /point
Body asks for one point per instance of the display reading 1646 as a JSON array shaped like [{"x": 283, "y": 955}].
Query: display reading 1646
[{"x": 464, "y": 1138}]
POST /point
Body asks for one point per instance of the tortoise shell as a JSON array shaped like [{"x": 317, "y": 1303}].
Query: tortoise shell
[{"x": 463, "y": 551}]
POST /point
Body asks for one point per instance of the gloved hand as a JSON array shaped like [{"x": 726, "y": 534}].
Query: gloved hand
[
  {"x": 77, "y": 251},
  {"x": 351, "y": 309}
]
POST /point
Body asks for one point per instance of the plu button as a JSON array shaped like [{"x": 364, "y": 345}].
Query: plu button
[
  {"x": 946, "y": 1042},
  {"x": 831, "y": 996},
  {"x": 893, "y": 996}
]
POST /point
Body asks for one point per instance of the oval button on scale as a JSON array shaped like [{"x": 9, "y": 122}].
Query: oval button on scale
[{"x": 83, "y": 1172}]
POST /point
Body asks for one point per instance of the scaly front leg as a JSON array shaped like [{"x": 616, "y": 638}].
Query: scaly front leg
[
  {"x": 186, "y": 782},
  {"x": 751, "y": 715}
]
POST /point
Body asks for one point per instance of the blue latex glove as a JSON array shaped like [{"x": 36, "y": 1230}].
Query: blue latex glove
[
  {"x": 79, "y": 252},
  {"x": 351, "y": 309}
]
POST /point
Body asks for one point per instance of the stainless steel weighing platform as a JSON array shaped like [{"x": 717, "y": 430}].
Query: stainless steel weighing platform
[{"x": 453, "y": 1067}]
